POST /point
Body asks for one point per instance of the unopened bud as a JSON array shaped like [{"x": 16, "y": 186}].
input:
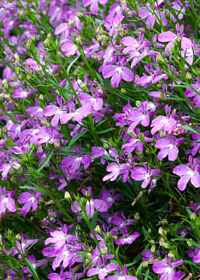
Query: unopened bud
[
  {"x": 162, "y": 232},
  {"x": 137, "y": 216},
  {"x": 172, "y": 256},
  {"x": 163, "y": 243},
  {"x": 193, "y": 216},
  {"x": 67, "y": 195},
  {"x": 88, "y": 257},
  {"x": 104, "y": 249},
  {"x": 153, "y": 249},
  {"x": 5, "y": 83},
  {"x": 159, "y": 58},
  {"x": 98, "y": 229},
  {"x": 137, "y": 103},
  {"x": 18, "y": 237}
]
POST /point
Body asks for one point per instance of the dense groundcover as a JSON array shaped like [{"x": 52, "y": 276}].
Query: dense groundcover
[{"x": 99, "y": 139}]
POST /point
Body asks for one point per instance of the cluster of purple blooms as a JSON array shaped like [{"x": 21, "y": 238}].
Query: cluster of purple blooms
[{"x": 53, "y": 103}]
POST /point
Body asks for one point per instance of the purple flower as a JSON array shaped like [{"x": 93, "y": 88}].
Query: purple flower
[
  {"x": 168, "y": 147},
  {"x": 102, "y": 272},
  {"x": 6, "y": 201},
  {"x": 114, "y": 170},
  {"x": 72, "y": 163},
  {"x": 135, "y": 142},
  {"x": 171, "y": 37},
  {"x": 147, "y": 255},
  {"x": 22, "y": 245},
  {"x": 60, "y": 238},
  {"x": 127, "y": 239},
  {"x": 109, "y": 197},
  {"x": 30, "y": 200},
  {"x": 93, "y": 5},
  {"x": 90, "y": 207},
  {"x": 144, "y": 174},
  {"x": 167, "y": 123},
  {"x": 166, "y": 269},
  {"x": 141, "y": 115},
  {"x": 117, "y": 73},
  {"x": 21, "y": 93},
  {"x": 121, "y": 275},
  {"x": 69, "y": 48},
  {"x": 189, "y": 172},
  {"x": 195, "y": 255},
  {"x": 120, "y": 221}
]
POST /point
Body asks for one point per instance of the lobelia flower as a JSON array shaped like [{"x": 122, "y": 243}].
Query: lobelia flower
[
  {"x": 6, "y": 201},
  {"x": 148, "y": 15},
  {"x": 166, "y": 269},
  {"x": 66, "y": 275},
  {"x": 115, "y": 11},
  {"x": 9, "y": 23},
  {"x": 122, "y": 275},
  {"x": 61, "y": 237},
  {"x": 22, "y": 245},
  {"x": 117, "y": 73},
  {"x": 167, "y": 123},
  {"x": 21, "y": 93},
  {"x": 30, "y": 200},
  {"x": 94, "y": 5},
  {"x": 117, "y": 169},
  {"x": 188, "y": 172},
  {"x": 171, "y": 37},
  {"x": 135, "y": 142},
  {"x": 90, "y": 207},
  {"x": 34, "y": 263},
  {"x": 141, "y": 115},
  {"x": 195, "y": 207},
  {"x": 195, "y": 255},
  {"x": 70, "y": 48},
  {"x": 193, "y": 95},
  {"x": 66, "y": 255},
  {"x": 168, "y": 147},
  {"x": 155, "y": 76},
  {"x": 137, "y": 49},
  {"x": 72, "y": 163},
  {"x": 110, "y": 197},
  {"x": 102, "y": 272},
  {"x": 186, "y": 44},
  {"x": 147, "y": 255},
  {"x": 126, "y": 238},
  {"x": 120, "y": 221},
  {"x": 144, "y": 174}
]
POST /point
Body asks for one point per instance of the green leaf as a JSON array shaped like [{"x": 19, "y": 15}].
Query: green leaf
[
  {"x": 94, "y": 219},
  {"x": 31, "y": 188},
  {"x": 106, "y": 130},
  {"x": 45, "y": 162},
  {"x": 73, "y": 141},
  {"x": 71, "y": 64},
  {"x": 187, "y": 127}
]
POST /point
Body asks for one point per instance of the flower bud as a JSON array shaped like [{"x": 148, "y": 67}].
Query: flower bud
[
  {"x": 153, "y": 249},
  {"x": 163, "y": 243},
  {"x": 5, "y": 83},
  {"x": 190, "y": 243},
  {"x": 162, "y": 232},
  {"x": 18, "y": 237},
  {"x": 98, "y": 229},
  {"x": 67, "y": 195},
  {"x": 88, "y": 257},
  {"x": 104, "y": 249},
  {"x": 137, "y": 216},
  {"x": 171, "y": 255},
  {"x": 193, "y": 216},
  {"x": 159, "y": 58}
]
